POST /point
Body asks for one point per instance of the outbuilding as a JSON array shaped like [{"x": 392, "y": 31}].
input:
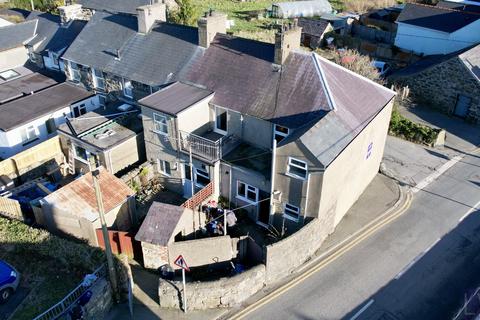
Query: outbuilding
[{"x": 297, "y": 9}]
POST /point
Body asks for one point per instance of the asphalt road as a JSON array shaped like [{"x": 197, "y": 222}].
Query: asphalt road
[{"x": 417, "y": 267}]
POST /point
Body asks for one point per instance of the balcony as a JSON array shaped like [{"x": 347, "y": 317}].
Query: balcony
[{"x": 209, "y": 147}]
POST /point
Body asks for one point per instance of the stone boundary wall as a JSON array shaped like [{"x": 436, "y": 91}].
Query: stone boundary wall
[
  {"x": 223, "y": 293},
  {"x": 283, "y": 257},
  {"x": 101, "y": 301}
]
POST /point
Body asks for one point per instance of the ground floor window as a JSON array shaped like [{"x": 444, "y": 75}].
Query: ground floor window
[
  {"x": 164, "y": 168},
  {"x": 79, "y": 110},
  {"x": 81, "y": 153},
  {"x": 247, "y": 192},
  {"x": 291, "y": 212}
]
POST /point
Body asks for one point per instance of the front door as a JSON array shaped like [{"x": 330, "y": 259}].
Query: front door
[
  {"x": 187, "y": 181},
  {"x": 263, "y": 217},
  {"x": 462, "y": 106}
]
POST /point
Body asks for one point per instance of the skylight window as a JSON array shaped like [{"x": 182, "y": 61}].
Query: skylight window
[{"x": 9, "y": 74}]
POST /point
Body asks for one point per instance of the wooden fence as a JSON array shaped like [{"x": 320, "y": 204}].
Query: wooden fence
[
  {"x": 199, "y": 197},
  {"x": 10, "y": 208}
]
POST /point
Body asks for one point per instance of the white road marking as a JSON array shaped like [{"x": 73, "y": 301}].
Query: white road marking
[
  {"x": 474, "y": 208},
  {"x": 420, "y": 256},
  {"x": 365, "y": 307},
  {"x": 432, "y": 177}
]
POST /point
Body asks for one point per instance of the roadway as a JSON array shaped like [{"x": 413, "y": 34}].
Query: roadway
[{"x": 417, "y": 267}]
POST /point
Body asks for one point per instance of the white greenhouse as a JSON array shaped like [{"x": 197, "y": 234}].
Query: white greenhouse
[{"x": 297, "y": 9}]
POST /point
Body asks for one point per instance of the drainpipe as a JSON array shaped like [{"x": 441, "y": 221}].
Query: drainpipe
[
  {"x": 272, "y": 178},
  {"x": 306, "y": 197}
]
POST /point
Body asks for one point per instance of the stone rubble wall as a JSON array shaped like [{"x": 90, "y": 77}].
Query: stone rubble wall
[
  {"x": 223, "y": 293},
  {"x": 101, "y": 301}
]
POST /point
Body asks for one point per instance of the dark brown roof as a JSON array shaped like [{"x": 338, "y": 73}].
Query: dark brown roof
[
  {"x": 314, "y": 27},
  {"x": 25, "y": 85},
  {"x": 160, "y": 223},
  {"x": 78, "y": 197},
  {"x": 34, "y": 106},
  {"x": 175, "y": 98}
]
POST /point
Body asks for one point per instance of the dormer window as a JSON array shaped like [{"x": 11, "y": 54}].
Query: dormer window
[{"x": 280, "y": 132}]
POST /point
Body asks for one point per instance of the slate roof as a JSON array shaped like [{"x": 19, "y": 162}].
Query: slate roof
[
  {"x": 78, "y": 197},
  {"x": 16, "y": 35},
  {"x": 34, "y": 106},
  {"x": 459, "y": 6},
  {"x": 314, "y": 27},
  {"x": 175, "y": 98},
  {"x": 436, "y": 18},
  {"x": 159, "y": 57},
  {"x": 471, "y": 59},
  {"x": 52, "y": 35},
  {"x": 114, "y": 6},
  {"x": 160, "y": 223},
  {"x": 300, "y": 95}
]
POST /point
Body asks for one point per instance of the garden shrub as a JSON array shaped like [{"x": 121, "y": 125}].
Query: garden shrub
[{"x": 404, "y": 128}]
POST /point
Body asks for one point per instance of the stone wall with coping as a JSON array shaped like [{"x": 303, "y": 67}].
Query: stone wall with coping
[
  {"x": 223, "y": 293},
  {"x": 284, "y": 257},
  {"x": 101, "y": 301},
  {"x": 440, "y": 85}
]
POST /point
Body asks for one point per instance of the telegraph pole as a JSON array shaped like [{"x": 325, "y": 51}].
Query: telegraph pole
[
  {"x": 33, "y": 6},
  {"x": 108, "y": 249}
]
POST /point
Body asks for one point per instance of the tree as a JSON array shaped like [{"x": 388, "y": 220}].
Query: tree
[
  {"x": 40, "y": 5},
  {"x": 185, "y": 14}
]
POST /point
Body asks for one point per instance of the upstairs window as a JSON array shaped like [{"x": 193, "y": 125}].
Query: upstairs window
[
  {"x": 79, "y": 110},
  {"x": 128, "y": 89},
  {"x": 291, "y": 212},
  {"x": 164, "y": 168},
  {"x": 247, "y": 192},
  {"x": 297, "y": 168},
  {"x": 221, "y": 120},
  {"x": 98, "y": 80},
  {"x": 160, "y": 124},
  {"x": 29, "y": 134},
  {"x": 74, "y": 72},
  {"x": 202, "y": 177},
  {"x": 280, "y": 132}
]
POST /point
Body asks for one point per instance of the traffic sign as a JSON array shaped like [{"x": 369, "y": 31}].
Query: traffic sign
[{"x": 180, "y": 261}]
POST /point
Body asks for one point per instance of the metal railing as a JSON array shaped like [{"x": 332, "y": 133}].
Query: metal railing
[
  {"x": 207, "y": 149},
  {"x": 61, "y": 308}
]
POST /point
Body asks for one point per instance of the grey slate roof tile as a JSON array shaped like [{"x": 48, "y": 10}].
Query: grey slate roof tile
[
  {"x": 114, "y": 6},
  {"x": 16, "y": 35}
]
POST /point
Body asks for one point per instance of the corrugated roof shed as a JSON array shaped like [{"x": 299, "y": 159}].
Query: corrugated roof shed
[
  {"x": 160, "y": 224},
  {"x": 175, "y": 98},
  {"x": 34, "y": 106},
  {"x": 17, "y": 35},
  {"x": 436, "y": 18},
  {"x": 78, "y": 197},
  {"x": 296, "y": 9}
]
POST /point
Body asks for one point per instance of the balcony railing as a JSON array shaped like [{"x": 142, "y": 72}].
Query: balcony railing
[{"x": 207, "y": 149}]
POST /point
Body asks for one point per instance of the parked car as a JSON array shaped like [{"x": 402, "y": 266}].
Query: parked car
[
  {"x": 9, "y": 280},
  {"x": 382, "y": 67}
]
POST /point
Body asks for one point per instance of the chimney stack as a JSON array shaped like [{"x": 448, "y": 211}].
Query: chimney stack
[
  {"x": 147, "y": 15},
  {"x": 209, "y": 25},
  {"x": 287, "y": 40},
  {"x": 70, "y": 12}
]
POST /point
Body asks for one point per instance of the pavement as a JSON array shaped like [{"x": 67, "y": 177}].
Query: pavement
[{"x": 419, "y": 266}]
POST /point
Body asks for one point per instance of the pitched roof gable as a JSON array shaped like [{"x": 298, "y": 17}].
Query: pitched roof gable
[{"x": 17, "y": 35}]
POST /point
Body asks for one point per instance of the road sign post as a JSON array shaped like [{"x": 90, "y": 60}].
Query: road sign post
[{"x": 180, "y": 262}]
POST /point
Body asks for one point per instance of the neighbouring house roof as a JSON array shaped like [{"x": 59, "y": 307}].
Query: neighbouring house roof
[
  {"x": 160, "y": 223},
  {"x": 302, "y": 8},
  {"x": 17, "y": 35},
  {"x": 34, "y": 106},
  {"x": 14, "y": 14},
  {"x": 436, "y": 18},
  {"x": 148, "y": 59},
  {"x": 78, "y": 197},
  {"x": 469, "y": 56},
  {"x": 105, "y": 128},
  {"x": 51, "y": 35},
  {"x": 299, "y": 95},
  {"x": 114, "y": 6},
  {"x": 471, "y": 60},
  {"x": 28, "y": 82},
  {"x": 175, "y": 98},
  {"x": 459, "y": 6},
  {"x": 314, "y": 27}
]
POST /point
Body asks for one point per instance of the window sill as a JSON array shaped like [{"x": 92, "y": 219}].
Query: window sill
[
  {"x": 295, "y": 176},
  {"x": 160, "y": 132},
  {"x": 246, "y": 200},
  {"x": 289, "y": 217}
]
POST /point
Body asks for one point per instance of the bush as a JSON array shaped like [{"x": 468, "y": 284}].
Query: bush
[
  {"x": 185, "y": 14},
  {"x": 411, "y": 131}
]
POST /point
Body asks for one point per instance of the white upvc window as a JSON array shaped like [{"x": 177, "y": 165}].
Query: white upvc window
[
  {"x": 127, "y": 89},
  {"x": 164, "y": 168},
  {"x": 291, "y": 212},
  {"x": 202, "y": 177},
  {"x": 9, "y": 74},
  {"x": 98, "y": 79},
  {"x": 29, "y": 134},
  {"x": 280, "y": 132},
  {"x": 297, "y": 168},
  {"x": 160, "y": 124},
  {"x": 247, "y": 192},
  {"x": 79, "y": 110},
  {"x": 74, "y": 71}
]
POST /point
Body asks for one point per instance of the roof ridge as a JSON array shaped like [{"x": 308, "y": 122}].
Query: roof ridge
[{"x": 323, "y": 80}]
